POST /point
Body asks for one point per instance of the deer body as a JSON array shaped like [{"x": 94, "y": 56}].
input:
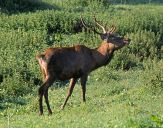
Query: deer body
[
  {"x": 72, "y": 62},
  {"x": 75, "y": 62}
]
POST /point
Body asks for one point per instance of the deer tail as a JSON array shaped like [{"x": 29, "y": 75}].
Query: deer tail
[{"x": 40, "y": 56}]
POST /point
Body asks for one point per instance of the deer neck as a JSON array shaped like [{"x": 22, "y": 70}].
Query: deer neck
[{"x": 102, "y": 55}]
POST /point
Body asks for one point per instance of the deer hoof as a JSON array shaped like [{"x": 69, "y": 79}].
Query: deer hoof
[
  {"x": 50, "y": 113},
  {"x": 40, "y": 114},
  {"x": 62, "y": 107}
]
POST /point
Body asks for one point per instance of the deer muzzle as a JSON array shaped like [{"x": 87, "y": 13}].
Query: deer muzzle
[{"x": 126, "y": 41}]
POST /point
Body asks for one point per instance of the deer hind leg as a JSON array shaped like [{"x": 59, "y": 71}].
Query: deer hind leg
[
  {"x": 47, "y": 101},
  {"x": 43, "y": 91},
  {"x": 70, "y": 90},
  {"x": 83, "y": 81},
  {"x": 43, "y": 73}
]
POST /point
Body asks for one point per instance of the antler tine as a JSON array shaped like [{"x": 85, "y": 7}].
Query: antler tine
[
  {"x": 113, "y": 28},
  {"x": 90, "y": 28},
  {"x": 103, "y": 28},
  {"x": 83, "y": 22}
]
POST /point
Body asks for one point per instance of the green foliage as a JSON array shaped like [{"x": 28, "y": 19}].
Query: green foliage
[
  {"x": 116, "y": 98},
  {"x": 18, "y": 68},
  {"x": 17, "y": 6},
  {"x": 154, "y": 81},
  {"x": 135, "y": 1},
  {"x": 154, "y": 121},
  {"x": 19, "y": 86},
  {"x": 121, "y": 101},
  {"x": 34, "y": 32}
]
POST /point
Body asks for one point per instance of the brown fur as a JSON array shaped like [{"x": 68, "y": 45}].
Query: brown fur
[{"x": 73, "y": 63}]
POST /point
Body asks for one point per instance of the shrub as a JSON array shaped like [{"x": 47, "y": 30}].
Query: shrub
[
  {"x": 15, "y": 86},
  {"x": 23, "y": 35},
  {"x": 153, "y": 76}
]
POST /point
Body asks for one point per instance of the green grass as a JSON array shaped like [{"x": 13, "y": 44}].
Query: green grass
[
  {"x": 121, "y": 100},
  {"x": 128, "y": 93}
]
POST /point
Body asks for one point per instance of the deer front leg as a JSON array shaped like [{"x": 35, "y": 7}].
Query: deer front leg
[
  {"x": 70, "y": 90},
  {"x": 83, "y": 81}
]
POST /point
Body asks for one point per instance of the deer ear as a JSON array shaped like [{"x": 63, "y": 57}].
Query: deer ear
[{"x": 104, "y": 36}]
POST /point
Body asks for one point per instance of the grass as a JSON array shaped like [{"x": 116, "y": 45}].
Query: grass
[
  {"x": 128, "y": 93},
  {"x": 119, "y": 101}
]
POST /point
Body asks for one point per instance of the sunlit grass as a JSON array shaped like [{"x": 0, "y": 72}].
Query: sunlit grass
[
  {"x": 128, "y": 93},
  {"x": 116, "y": 103}
]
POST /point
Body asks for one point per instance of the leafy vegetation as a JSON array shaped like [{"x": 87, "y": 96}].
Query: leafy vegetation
[{"x": 126, "y": 93}]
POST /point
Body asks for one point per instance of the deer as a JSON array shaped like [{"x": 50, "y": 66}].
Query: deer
[{"x": 76, "y": 62}]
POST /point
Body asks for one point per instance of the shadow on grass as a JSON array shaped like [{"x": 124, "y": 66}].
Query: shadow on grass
[
  {"x": 19, "y": 6},
  {"x": 8, "y": 102}
]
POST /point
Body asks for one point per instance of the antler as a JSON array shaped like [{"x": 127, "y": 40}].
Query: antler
[
  {"x": 90, "y": 28},
  {"x": 103, "y": 28},
  {"x": 113, "y": 28}
]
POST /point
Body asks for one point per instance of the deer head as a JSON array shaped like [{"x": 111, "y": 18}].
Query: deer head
[{"x": 113, "y": 41}]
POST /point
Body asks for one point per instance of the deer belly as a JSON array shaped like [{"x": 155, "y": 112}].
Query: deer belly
[{"x": 65, "y": 75}]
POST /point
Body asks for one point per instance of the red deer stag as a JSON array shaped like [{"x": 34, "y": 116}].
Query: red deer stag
[{"x": 76, "y": 62}]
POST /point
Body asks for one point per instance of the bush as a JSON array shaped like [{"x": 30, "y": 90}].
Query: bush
[
  {"x": 19, "y": 68},
  {"x": 23, "y": 35},
  {"x": 15, "y": 86},
  {"x": 153, "y": 76},
  {"x": 17, "y": 6}
]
